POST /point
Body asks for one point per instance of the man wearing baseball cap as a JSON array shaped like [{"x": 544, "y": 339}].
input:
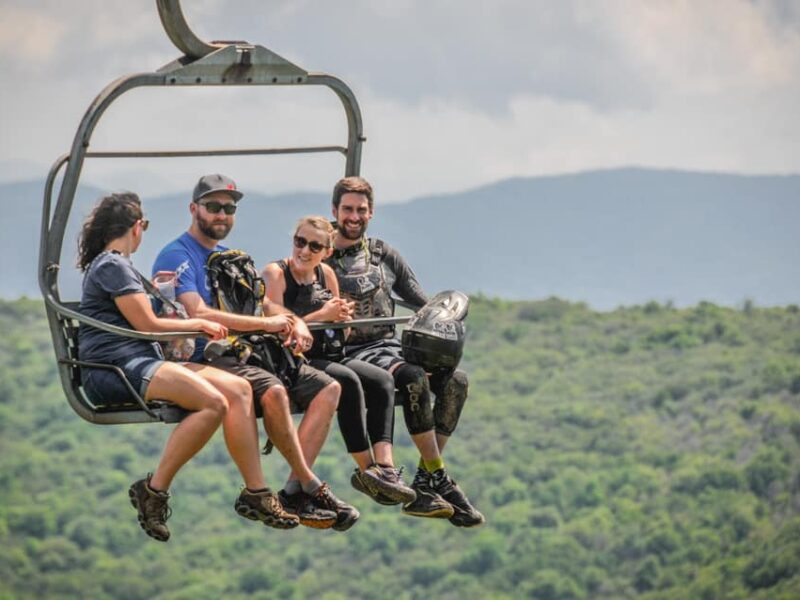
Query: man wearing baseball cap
[{"x": 213, "y": 209}]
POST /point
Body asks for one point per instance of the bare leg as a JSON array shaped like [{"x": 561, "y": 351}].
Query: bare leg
[
  {"x": 383, "y": 454},
  {"x": 363, "y": 459},
  {"x": 316, "y": 422},
  {"x": 426, "y": 444},
  {"x": 280, "y": 429},
  {"x": 239, "y": 425},
  {"x": 177, "y": 384},
  {"x": 441, "y": 441}
]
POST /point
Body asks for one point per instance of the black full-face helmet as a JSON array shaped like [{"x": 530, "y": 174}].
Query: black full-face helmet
[{"x": 434, "y": 337}]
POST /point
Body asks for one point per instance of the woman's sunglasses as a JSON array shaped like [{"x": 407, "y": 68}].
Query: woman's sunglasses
[
  {"x": 215, "y": 207},
  {"x": 300, "y": 242}
]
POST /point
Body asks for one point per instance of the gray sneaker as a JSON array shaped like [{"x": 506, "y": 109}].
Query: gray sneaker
[
  {"x": 388, "y": 482},
  {"x": 428, "y": 503},
  {"x": 357, "y": 481},
  {"x": 265, "y": 506},
  {"x": 153, "y": 508}
]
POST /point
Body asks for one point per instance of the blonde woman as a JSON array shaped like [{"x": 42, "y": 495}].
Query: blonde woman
[{"x": 308, "y": 287}]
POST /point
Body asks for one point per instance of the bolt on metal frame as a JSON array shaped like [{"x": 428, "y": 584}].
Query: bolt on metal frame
[{"x": 231, "y": 63}]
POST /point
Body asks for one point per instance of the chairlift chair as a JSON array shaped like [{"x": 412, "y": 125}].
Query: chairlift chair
[{"x": 231, "y": 63}]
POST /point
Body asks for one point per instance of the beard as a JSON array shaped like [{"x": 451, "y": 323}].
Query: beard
[
  {"x": 215, "y": 230},
  {"x": 353, "y": 234}
]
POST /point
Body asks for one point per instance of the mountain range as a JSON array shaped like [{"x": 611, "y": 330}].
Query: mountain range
[{"x": 607, "y": 238}]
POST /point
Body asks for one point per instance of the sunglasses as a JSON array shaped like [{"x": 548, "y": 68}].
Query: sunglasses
[
  {"x": 145, "y": 224},
  {"x": 215, "y": 207},
  {"x": 300, "y": 242}
]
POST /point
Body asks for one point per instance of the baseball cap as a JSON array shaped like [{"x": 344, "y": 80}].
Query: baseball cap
[{"x": 209, "y": 184}]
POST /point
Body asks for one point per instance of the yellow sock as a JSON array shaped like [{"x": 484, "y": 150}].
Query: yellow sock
[{"x": 433, "y": 465}]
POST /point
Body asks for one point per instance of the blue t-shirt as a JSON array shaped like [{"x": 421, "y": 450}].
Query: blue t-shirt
[
  {"x": 109, "y": 276},
  {"x": 187, "y": 257}
]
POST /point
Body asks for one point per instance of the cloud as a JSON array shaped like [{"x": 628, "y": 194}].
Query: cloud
[
  {"x": 28, "y": 36},
  {"x": 453, "y": 94}
]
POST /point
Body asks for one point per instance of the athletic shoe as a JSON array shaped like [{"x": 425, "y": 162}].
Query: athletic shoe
[
  {"x": 346, "y": 515},
  {"x": 388, "y": 482},
  {"x": 307, "y": 510},
  {"x": 428, "y": 502},
  {"x": 264, "y": 506},
  {"x": 464, "y": 515},
  {"x": 357, "y": 481},
  {"x": 153, "y": 508}
]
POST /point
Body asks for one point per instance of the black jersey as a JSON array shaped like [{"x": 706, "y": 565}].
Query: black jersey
[{"x": 368, "y": 273}]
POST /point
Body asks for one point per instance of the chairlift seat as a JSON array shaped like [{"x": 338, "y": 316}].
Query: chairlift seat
[{"x": 133, "y": 411}]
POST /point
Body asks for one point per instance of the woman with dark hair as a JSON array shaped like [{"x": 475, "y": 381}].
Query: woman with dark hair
[
  {"x": 306, "y": 286},
  {"x": 113, "y": 293}
]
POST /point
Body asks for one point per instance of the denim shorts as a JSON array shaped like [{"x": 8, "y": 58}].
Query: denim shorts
[{"x": 105, "y": 387}]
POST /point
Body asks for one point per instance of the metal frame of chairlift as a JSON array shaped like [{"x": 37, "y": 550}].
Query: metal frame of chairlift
[{"x": 202, "y": 64}]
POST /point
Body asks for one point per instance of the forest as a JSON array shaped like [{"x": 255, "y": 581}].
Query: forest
[{"x": 645, "y": 452}]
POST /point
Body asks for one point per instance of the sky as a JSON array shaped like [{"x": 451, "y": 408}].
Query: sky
[{"x": 454, "y": 94}]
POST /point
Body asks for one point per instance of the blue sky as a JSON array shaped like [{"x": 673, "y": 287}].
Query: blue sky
[{"x": 454, "y": 94}]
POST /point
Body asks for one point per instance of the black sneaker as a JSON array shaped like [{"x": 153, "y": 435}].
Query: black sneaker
[
  {"x": 357, "y": 481},
  {"x": 428, "y": 502},
  {"x": 465, "y": 514},
  {"x": 346, "y": 515},
  {"x": 153, "y": 508},
  {"x": 307, "y": 510},
  {"x": 264, "y": 506},
  {"x": 388, "y": 482}
]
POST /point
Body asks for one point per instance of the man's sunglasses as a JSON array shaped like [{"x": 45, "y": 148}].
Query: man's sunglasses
[
  {"x": 215, "y": 207},
  {"x": 300, "y": 242},
  {"x": 145, "y": 224}
]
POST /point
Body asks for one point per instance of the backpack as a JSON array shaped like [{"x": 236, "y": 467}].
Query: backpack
[{"x": 236, "y": 287}]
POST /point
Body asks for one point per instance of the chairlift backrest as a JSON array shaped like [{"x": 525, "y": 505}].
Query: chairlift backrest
[{"x": 202, "y": 64}]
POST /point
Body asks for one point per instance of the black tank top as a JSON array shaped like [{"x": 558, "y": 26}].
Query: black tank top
[{"x": 305, "y": 298}]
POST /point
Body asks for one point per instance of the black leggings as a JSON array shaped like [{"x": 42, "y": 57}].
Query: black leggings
[{"x": 366, "y": 406}]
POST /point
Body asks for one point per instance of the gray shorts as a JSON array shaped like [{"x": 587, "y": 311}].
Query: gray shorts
[
  {"x": 309, "y": 383},
  {"x": 382, "y": 353}
]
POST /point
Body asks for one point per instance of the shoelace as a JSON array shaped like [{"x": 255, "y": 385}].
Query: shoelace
[
  {"x": 422, "y": 478},
  {"x": 442, "y": 483},
  {"x": 325, "y": 496},
  {"x": 158, "y": 508}
]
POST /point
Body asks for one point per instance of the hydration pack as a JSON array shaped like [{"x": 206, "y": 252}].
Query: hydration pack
[
  {"x": 236, "y": 287},
  {"x": 434, "y": 336}
]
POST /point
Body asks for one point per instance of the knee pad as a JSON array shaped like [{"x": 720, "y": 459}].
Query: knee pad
[
  {"x": 451, "y": 394},
  {"x": 413, "y": 388}
]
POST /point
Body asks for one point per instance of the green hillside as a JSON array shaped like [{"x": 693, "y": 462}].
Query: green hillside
[{"x": 646, "y": 452}]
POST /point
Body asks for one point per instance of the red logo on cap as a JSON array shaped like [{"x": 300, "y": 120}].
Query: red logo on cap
[{"x": 231, "y": 186}]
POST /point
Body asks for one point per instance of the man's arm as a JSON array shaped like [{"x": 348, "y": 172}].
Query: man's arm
[
  {"x": 197, "y": 308},
  {"x": 406, "y": 284}
]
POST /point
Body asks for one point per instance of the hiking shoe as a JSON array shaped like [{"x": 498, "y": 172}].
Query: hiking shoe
[
  {"x": 357, "y": 481},
  {"x": 428, "y": 502},
  {"x": 153, "y": 508},
  {"x": 388, "y": 481},
  {"x": 346, "y": 515},
  {"x": 307, "y": 510},
  {"x": 464, "y": 515},
  {"x": 264, "y": 506}
]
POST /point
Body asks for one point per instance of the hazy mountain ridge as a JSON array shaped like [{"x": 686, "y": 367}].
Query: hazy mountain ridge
[{"x": 612, "y": 237}]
